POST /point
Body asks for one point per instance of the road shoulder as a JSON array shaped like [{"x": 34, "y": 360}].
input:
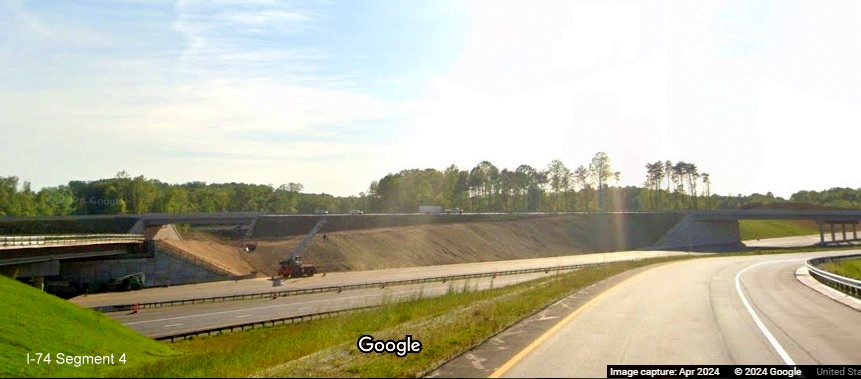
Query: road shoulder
[{"x": 803, "y": 276}]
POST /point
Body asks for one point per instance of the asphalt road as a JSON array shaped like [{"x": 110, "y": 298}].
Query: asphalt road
[
  {"x": 797, "y": 241},
  {"x": 701, "y": 311},
  {"x": 155, "y": 322},
  {"x": 224, "y": 288}
]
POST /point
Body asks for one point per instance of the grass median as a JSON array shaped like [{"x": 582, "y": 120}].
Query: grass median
[{"x": 446, "y": 325}]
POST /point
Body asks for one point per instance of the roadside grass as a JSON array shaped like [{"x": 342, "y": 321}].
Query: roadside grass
[
  {"x": 446, "y": 325},
  {"x": 847, "y": 268},
  {"x": 32, "y": 321},
  {"x": 753, "y": 229}
]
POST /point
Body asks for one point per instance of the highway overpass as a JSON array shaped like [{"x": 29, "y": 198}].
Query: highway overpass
[{"x": 696, "y": 228}]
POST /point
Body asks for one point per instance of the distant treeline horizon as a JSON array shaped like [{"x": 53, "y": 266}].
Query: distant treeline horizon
[{"x": 483, "y": 188}]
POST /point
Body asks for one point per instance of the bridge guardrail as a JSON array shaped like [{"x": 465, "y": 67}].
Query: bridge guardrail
[
  {"x": 305, "y": 291},
  {"x": 70, "y": 239},
  {"x": 848, "y": 285}
]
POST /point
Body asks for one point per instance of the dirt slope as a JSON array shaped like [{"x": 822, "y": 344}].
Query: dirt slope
[
  {"x": 424, "y": 245},
  {"x": 224, "y": 255}
]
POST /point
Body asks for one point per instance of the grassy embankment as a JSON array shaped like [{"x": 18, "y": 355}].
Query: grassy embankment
[
  {"x": 753, "y": 229},
  {"x": 848, "y": 268},
  {"x": 34, "y": 322}
]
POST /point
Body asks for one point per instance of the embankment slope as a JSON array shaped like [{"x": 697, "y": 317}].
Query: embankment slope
[{"x": 477, "y": 241}]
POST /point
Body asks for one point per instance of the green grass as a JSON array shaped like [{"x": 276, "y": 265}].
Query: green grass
[
  {"x": 753, "y": 229},
  {"x": 32, "y": 321},
  {"x": 847, "y": 268},
  {"x": 446, "y": 326}
]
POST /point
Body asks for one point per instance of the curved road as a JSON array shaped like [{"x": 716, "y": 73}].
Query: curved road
[{"x": 693, "y": 312}]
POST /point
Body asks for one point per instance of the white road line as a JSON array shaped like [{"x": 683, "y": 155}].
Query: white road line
[
  {"x": 776, "y": 345},
  {"x": 168, "y": 326},
  {"x": 241, "y": 316}
]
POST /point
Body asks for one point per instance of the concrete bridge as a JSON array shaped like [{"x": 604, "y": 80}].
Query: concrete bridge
[{"x": 696, "y": 228}]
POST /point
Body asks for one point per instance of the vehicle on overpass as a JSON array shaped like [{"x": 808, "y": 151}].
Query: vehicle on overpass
[
  {"x": 321, "y": 212},
  {"x": 291, "y": 265},
  {"x": 430, "y": 208},
  {"x": 356, "y": 212},
  {"x": 454, "y": 210}
]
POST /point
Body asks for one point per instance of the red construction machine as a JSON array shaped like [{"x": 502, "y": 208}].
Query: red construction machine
[{"x": 291, "y": 265}]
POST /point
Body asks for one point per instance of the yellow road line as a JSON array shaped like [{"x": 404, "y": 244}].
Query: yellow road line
[{"x": 523, "y": 353}]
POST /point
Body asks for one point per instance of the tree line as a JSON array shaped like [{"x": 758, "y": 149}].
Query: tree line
[{"x": 591, "y": 186}]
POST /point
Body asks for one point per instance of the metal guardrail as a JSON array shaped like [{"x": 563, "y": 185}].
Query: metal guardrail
[
  {"x": 261, "y": 324},
  {"x": 848, "y": 285},
  {"x": 305, "y": 291},
  {"x": 70, "y": 239}
]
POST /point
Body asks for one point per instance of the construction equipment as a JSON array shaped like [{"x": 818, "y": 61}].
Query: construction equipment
[
  {"x": 291, "y": 266},
  {"x": 250, "y": 246},
  {"x": 130, "y": 282}
]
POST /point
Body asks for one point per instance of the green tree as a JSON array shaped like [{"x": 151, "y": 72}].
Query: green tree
[
  {"x": 601, "y": 172},
  {"x": 559, "y": 177}
]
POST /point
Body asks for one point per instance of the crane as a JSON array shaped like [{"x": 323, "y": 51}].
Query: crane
[{"x": 291, "y": 265}]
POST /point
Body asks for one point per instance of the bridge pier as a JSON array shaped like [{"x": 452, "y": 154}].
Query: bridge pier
[
  {"x": 831, "y": 225},
  {"x": 821, "y": 232},
  {"x": 39, "y": 282}
]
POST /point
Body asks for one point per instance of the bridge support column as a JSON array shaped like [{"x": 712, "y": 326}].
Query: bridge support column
[
  {"x": 833, "y": 237},
  {"x": 39, "y": 282},
  {"x": 854, "y": 231},
  {"x": 843, "y": 225},
  {"x": 821, "y": 232}
]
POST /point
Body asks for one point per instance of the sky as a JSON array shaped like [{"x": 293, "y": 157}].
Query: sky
[{"x": 762, "y": 95}]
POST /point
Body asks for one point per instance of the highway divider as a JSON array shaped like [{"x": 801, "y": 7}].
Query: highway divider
[
  {"x": 173, "y": 337},
  {"x": 842, "y": 283},
  {"x": 305, "y": 291}
]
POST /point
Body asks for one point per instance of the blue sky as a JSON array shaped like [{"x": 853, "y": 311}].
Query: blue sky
[{"x": 763, "y": 95}]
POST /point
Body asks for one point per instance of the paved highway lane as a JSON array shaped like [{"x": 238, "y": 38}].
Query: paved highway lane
[
  {"x": 692, "y": 312},
  {"x": 797, "y": 241},
  {"x": 155, "y": 322},
  {"x": 259, "y": 285}
]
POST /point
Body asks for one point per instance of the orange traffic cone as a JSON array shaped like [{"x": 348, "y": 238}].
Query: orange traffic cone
[{"x": 135, "y": 308}]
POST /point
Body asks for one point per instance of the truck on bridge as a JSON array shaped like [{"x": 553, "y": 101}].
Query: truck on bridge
[{"x": 430, "y": 208}]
